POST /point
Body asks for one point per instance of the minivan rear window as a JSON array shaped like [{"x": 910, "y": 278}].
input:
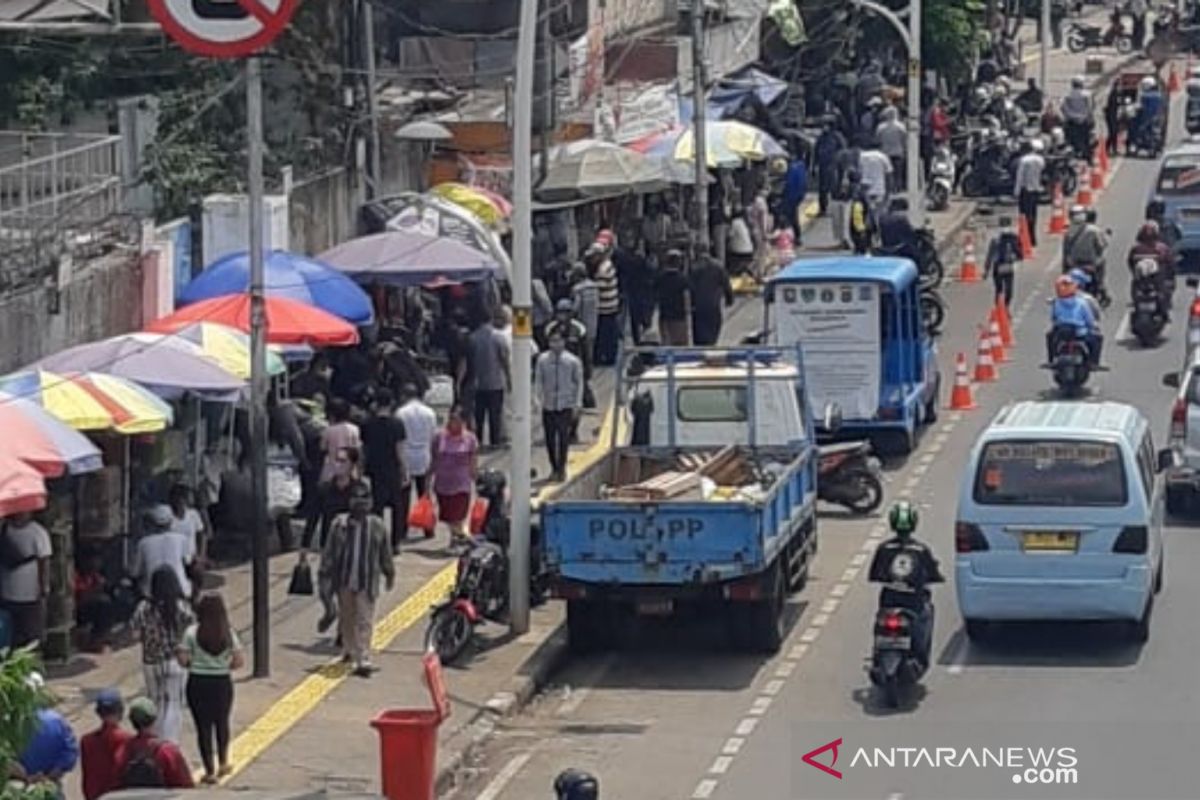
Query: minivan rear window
[
  {"x": 1051, "y": 473},
  {"x": 1179, "y": 176}
]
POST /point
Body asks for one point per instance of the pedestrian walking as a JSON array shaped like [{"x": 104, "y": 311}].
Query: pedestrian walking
[
  {"x": 558, "y": 387},
  {"x": 24, "y": 576},
  {"x": 1004, "y": 253},
  {"x": 575, "y": 336},
  {"x": 99, "y": 749},
  {"x": 187, "y": 521},
  {"x": 340, "y": 434},
  {"x": 893, "y": 143},
  {"x": 1027, "y": 185},
  {"x": 158, "y": 623},
  {"x": 163, "y": 546},
  {"x": 671, "y": 296},
  {"x": 608, "y": 305},
  {"x": 488, "y": 371},
  {"x": 862, "y": 220},
  {"x": 829, "y": 144},
  {"x": 845, "y": 167},
  {"x": 761, "y": 227},
  {"x": 148, "y": 760},
  {"x": 211, "y": 652},
  {"x": 1112, "y": 120},
  {"x": 420, "y": 425},
  {"x": 585, "y": 299},
  {"x": 356, "y": 556},
  {"x": 333, "y": 496},
  {"x": 876, "y": 174},
  {"x": 383, "y": 441},
  {"x": 710, "y": 289},
  {"x": 455, "y": 464},
  {"x": 741, "y": 243},
  {"x": 795, "y": 187}
]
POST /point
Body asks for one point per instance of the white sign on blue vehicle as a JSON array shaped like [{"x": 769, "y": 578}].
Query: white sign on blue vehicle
[{"x": 837, "y": 324}]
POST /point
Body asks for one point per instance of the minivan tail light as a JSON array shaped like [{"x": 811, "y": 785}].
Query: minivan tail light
[
  {"x": 1194, "y": 313},
  {"x": 1134, "y": 539},
  {"x": 1179, "y": 416},
  {"x": 968, "y": 538}
]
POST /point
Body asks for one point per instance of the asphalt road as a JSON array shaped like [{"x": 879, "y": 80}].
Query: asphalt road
[{"x": 672, "y": 716}]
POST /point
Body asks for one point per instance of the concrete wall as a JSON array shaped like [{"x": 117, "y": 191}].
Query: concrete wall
[
  {"x": 103, "y": 300},
  {"x": 321, "y": 211}
]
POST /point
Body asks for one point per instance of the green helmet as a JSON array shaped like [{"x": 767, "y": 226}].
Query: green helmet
[{"x": 903, "y": 518}]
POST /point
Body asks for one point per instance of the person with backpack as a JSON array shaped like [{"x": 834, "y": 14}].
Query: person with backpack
[
  {"x": 862, "y": 217},
  {"x": 146, "y": 761},
  {"x": 211, "y": 652},
  {"x": 1004, "y": 252},
  {"x": 99, "y": 748},
  {"x": 24, "y": 576}
]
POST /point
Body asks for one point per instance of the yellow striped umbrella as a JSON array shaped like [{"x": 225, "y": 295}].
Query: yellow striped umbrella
[{"x": 90, "y": 401}]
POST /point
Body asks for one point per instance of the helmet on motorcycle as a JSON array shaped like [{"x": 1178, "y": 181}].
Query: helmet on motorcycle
[
  {"x": 903, "y": 519},
  {"x": 1001, "y": 89},
  {"x": 1078, "y": 213},
  {"x": 575, "y": 784},
  {"x": 1078, "y": 82},
  {"x": 1148, "y": 232},
  {"x": 1080, "y": 277},
  {"x": 1065, "y": 286},
  {"x": 982, "y": 95},
  {"x": 1037, "y": 145},
  {"x": 1148, "y": 84},
  {"x": 1146, "y": 268},
  {"x": 1058, "y": 138}
]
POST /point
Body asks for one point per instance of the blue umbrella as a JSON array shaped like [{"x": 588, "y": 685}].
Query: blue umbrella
[{"x": 289, "y": 275}]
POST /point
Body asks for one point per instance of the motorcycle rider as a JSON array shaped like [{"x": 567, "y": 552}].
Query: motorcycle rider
[
  {"x": 897, "y": 236},
  {"x": 1150, "y": 103},
  {"x": 1085, "y": 244},
  {"x": 1071, "y": 310},
  {"x": 1150, "y": 244},
  {"x": 1147, "y": 278},
  {"x": 907, "y": 567},
  {"x": 575, "y": 784},
  {"x": 1031, "y": 100},
  {"x": 1078, "y": 111},
  {"x": 1084, "y": 282}
]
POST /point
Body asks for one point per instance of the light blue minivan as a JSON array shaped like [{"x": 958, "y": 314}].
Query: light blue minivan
[{"x": 1060, "y": 517}]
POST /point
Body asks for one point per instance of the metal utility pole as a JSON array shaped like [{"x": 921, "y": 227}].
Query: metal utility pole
[
  {"x": 522, "y": 278},
  {"x": 548, "y": 114},
  {"x": 1044, "y": 65},
  {"x": 258, "y": 373},
  {"x": 368, "y": 21},
  {"x": 700, "y": 122}
]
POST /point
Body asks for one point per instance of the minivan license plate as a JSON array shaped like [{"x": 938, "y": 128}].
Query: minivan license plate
[{"x": 1052, "y": 541}]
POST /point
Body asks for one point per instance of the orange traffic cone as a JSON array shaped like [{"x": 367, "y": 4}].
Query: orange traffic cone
[
  {"x": 1103, "y": 157},
  {"x": 1005, "y": 322},
  {"x": 960, "y": 398},
  {"x": 985, "y": 365},
  {"x": 1172, "y": 80},
  {"x": 1084, "y": 196},
  {"x": 1025, "y": 237},
  {"x": 969, "y": 271},
  {"x": 1058, "y": 215},
  {"x": 996, "y": 339},
  {"x": 1098, "y": 173}
]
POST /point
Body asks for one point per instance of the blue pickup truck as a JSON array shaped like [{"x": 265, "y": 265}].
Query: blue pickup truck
[{"x": 709, "y": 505}]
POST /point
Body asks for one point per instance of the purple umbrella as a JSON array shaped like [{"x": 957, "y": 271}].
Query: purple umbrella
[
  {"x": 147, "y": 359},
  {"x": 408, "y": 258}
]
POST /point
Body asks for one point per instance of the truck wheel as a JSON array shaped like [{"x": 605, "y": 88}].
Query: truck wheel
[
  {"x": 765, "y": 618},
  {"x": 588, "y": 629}
]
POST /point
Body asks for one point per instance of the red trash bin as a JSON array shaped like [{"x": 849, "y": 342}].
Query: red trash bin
[{"x": 408, "y": 752}]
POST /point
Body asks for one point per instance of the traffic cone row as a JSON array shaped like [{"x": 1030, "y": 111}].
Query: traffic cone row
[
  {"x": 1102, "y": 158},
  {"x": 1000, "y": 312},
  {"x": 996, "y": 340},
  {"x": 1098, "y": 172},
  {"x": 985, "y": 365},
  {"x": 1025, "y": 237},
  {"x": 969, "y": 271},
  {"x": 1084, "y": 196},
  {"x": 961, "y": 398},
  {"x": 1058, "y": 215}
]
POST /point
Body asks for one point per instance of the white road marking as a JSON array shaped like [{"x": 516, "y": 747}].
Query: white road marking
[
  {"x": 830, "y": 605},
  {"x": 920, "y": 469},
  {"x": 928, "y": 458},
  {"x": 505, "y": 776},
  {"x": 746, "y": 726},
  {"x": 1123, "y": 329},
  {"x": 704, "y": 789},
  {"x": 839, "y": 590},
  {"x": 773, "y": 687},
  {"x": 941, "y": 438},
  {"x": 858, "y": 559},
  {"x": 797, "y": 652},
  {"x": 785, "y": 669},
  {"x": 580, "y": 693},
  {"x": 760, "y": 705},
  {"x": 732, "y": 745},
  {"x": 810, "y": 635},
  {"x": 849, "y": 575},
  {"x": 904, "y": 493},
  {"x": 820, "y": 620},
  {"x": 720, "y": 765}
]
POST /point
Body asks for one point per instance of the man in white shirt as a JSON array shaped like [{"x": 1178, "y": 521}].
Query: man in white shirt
[
  {"x": 876, "y": 171},
  {"x": 24, "y": 576},
  {"x": 893, "y": 141},
  {"x": 163, "y": 546},
  {"x": 1028, "y": 184},
  {"x": 420, "y": 426}
]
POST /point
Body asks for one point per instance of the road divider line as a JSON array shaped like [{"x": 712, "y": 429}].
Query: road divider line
[
  {"x": 797, "y": 652},
  {"x": 505, "y": 776},
  {"x": 720, "y": 765},
  {"x": 733, "y": 745},
  {"x": 820, "y": 620},
  {"x": 704, "y": 789},
  {"x": 830, "y": 605},
  {"x": 760, "y": 705},
  {"x": 810, "y": 635},
  {"x": 785, "y": 669},
  {"x": 746, "y": 726},
  {"x": 849, "y": 575}
]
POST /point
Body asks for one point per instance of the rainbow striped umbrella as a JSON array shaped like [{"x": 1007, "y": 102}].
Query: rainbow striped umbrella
[
  {"x": 227, "y": 346},
  {"x": 91, "y": 401}
]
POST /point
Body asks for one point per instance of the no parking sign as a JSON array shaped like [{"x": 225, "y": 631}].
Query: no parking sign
[{"x": 223, "y": 28}]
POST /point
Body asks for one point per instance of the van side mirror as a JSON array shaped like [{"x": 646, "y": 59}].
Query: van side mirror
[
  {"x": 753, "y": 338},
  {"x": 1192, "y": 281},
  {"x": 832, "y": 417},
  {"x": 1167, "y": 459},
  {"x": 1171, "y": 380}
]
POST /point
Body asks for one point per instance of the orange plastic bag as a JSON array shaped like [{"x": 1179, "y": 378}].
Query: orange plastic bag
[
  {"x": 478, "y": 516},
  {"x": 423, "y": 515}
]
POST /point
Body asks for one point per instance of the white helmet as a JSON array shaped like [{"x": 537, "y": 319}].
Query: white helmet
[
  {"x": 1146, "y": 268},
  {"x": 1058, "y": 137},
  {"x": 1148, "y": 84},
  {"x": 1037, "y": 145},
  {"x": 1078, "y": 213}
]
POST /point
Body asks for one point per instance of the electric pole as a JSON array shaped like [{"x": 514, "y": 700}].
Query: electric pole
[
  {"x": 699, "y": 121},
  {"x": 368, "y": 23}
]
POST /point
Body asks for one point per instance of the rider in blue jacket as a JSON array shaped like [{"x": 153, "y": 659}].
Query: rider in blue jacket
[{"x": 1070, "y": 309}]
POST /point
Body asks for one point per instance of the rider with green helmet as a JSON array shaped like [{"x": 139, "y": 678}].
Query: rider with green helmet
[{"x": 907, "y": 566}]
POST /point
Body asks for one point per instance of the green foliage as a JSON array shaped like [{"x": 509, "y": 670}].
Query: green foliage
[
  {"x": 19, "y": 702},
  {"x": 950, "y": 31}
]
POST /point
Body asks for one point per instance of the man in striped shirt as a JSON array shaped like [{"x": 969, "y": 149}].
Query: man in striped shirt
[{"x": 608, "y": 326}]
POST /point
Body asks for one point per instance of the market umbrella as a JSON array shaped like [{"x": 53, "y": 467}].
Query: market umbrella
[
  {"x": 149, "y": 360},
  {"x": 288, "y": 321},
  {"x": 435, "y": 216},
  {"x": 284, "y": 275},
  {"x": 409, "y": 258},
  {"x": 489, "y": 207},
  {"x": 227, "y": 346},
  {"x": 592, "y": 168},
  {"x": 423, "y": 130},
  {"x": 89, "y": 401},
  {"x": 729, "y": 144},
  {"x": 42, "y": 441},
  {"x": 21, "y": 487}
]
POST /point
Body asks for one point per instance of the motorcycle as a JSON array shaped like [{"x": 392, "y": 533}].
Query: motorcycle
[
  {"x": 990, "y": 172},
  {"x": 1082, "y": 36},
  {"x": 942, "y": 176},
  {"x": 1146, "y": 320},
  {"x": 1060, "y": 169},
  {"x": 924, "y": 254},
  {"x": 480, "y": 590},
  {"x": 848, "y": 476},
  {"x": 933, "y": 310},
  {"x": 897, "y": 658},
  {"x": 1072, "y": 363}
]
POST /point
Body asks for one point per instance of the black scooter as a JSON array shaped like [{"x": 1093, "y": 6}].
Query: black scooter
[
  {"x": 1072, "y": 364},
  {"x": 898, "y": 657},
  {"x": 481, "y": 588},
  {"x": 848, "y": 476},
  {"x": 1146, "y": 319}
]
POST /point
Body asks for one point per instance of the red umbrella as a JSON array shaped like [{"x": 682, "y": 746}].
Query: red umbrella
[
  {"x": 24, "y": 440},
  {"x": 288, "y": 321},
  {"x": 21, "y": 487}
]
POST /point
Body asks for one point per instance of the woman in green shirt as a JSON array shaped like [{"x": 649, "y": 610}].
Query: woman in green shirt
[{"x": 210, "y": 651}]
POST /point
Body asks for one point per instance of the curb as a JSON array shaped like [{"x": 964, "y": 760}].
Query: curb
[{"x": 532, "y": 676}]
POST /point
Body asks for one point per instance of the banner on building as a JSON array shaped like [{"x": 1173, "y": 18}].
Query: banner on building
[
  {"x": 643, "y": 111},
  {"x": 586, "y": 66}
]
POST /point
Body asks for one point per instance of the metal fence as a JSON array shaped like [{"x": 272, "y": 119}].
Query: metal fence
[{"x": 55, "y": 189}]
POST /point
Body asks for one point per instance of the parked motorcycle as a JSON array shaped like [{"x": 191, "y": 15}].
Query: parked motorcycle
[
  {"x": 1146, "y": 319},
  {"x": 924, "y": 254},
  {"x": 849, "y": 476},
  {"x": 480, "y": 590},
  {"x": 991, "y": 170},
  {"x": 942, "y": 176},
  {"x": 1072, "y": 363},
  {"x": 1060, "y": 169},
  {"x": 1082, "y": 36},
  {"x": 933, "y": 310}
]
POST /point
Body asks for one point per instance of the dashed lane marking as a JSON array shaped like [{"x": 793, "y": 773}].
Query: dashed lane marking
[
  {"x": 797, "y": 652},
  {"x": 820, "y": 620},
  {"x": 760, "y": 705},
  {"x": 840, "y": 589},
  {"x": 720, "y": 765},
  {"x": 785, "y": 669},
  {"x": 830, "y": 605},
  {"x": 810, "y": 635},
  {"x": 773, "y": 687},
  {"x": 858, "y": 559},
  {"x": 849, "y": 575},
  {"x": 746, "y": 726},
  {"x": 733, "y": 745},
  {"x": 505, "y": 776},
  {"x": 704, "y": 789}
]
